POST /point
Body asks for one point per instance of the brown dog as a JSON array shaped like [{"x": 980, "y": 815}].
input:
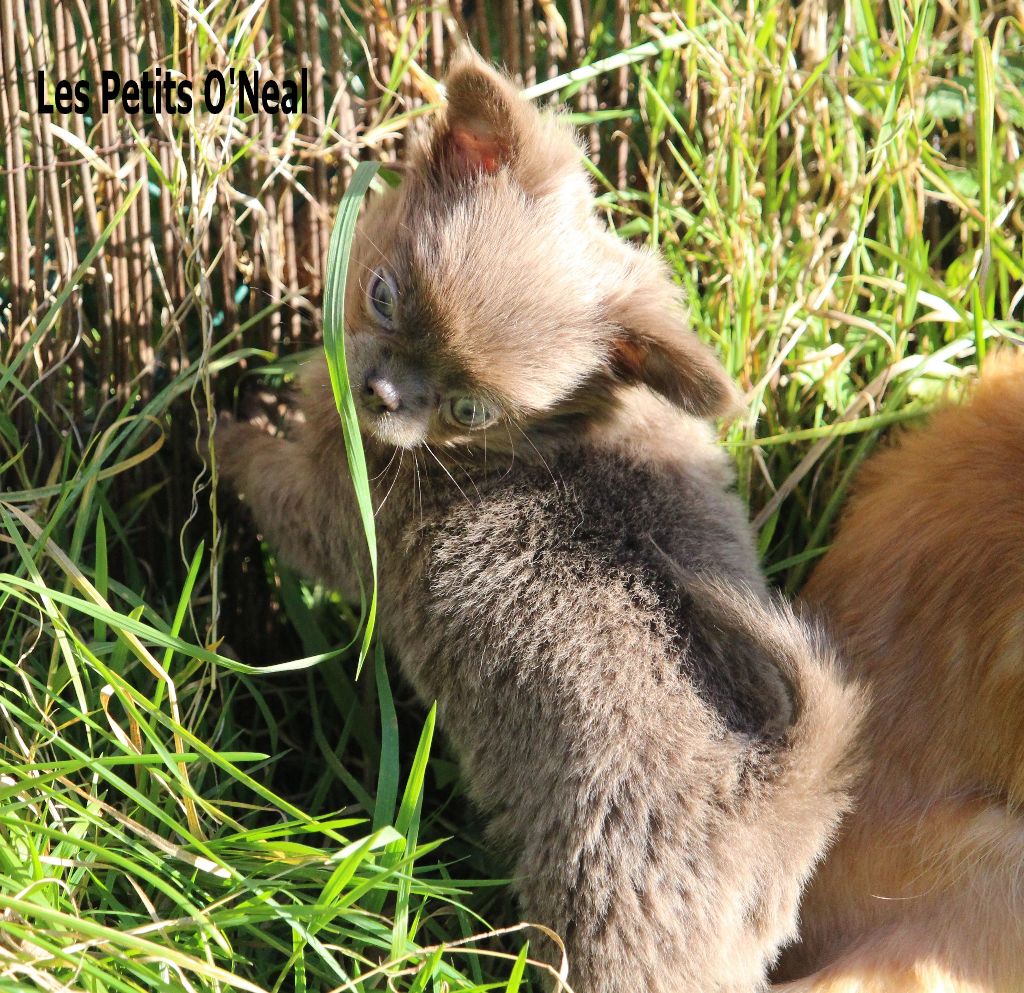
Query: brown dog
[
  {"x": 659, "y": 746},
  {"x": 925, "y": 586}
]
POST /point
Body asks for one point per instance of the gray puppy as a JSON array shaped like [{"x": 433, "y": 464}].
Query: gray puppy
[{"x": 562, "y": 566}]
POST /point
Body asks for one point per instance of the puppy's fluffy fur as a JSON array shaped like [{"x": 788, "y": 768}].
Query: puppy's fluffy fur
[
  {"x": 925, "y": 584},
  {"x": 658, "y": 745}
]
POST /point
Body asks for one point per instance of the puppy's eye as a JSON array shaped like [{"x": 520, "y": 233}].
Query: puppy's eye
[
  {"x": 383, "y": 298},
  {"x": 468, "y": 412}
]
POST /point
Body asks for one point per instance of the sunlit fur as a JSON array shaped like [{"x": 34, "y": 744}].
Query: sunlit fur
[
  {"x": 660, "y": 748},
  {"x": 924, "y": 892}
]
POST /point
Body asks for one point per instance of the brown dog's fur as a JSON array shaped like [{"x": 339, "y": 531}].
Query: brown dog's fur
[
  {"x": 925, "y": 585},
  {"x": 659, "y": 746}
]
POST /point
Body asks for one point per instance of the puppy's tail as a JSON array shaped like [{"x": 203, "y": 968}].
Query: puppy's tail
[
  {"x": 807, "y": 757},
  {"x": 826, "y": 706}
]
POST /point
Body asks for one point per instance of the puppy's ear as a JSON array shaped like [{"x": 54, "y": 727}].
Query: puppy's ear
[
  {"x": 482, "y": 128},
  {"x": 653, "y": 345},
  {"x": 486, "y": 125}
]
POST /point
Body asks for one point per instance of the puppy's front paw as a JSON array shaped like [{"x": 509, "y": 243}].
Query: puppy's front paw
[{"x": 230, "y": 445}]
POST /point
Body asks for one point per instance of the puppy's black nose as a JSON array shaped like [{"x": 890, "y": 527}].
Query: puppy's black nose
[{"x": 382, "y": 395}]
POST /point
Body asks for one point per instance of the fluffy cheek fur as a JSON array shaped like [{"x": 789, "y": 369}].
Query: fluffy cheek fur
[{"x": 925, "y": 584}]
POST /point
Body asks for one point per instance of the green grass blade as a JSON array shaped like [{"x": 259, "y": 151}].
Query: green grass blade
[
  {"x": 334, "y": 346},
  {"x": 387, "y": 777}
]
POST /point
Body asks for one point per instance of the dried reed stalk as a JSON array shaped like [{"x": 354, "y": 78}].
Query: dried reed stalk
[{"x": 19, "y": 247}]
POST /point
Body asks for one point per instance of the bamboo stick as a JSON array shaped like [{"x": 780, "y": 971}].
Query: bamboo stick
[
  {"x": 483, "y": 31},
  {"x": 16, "y": 184},
  {"x": 74, "y": 65},
  {"x": 66, "y": 65},
  {"x": 120, "y": 344},
  {"x": 623, "y": 38},
  {"x": 293, "y": 326},
  {"x": 529, "y": 43},
  {"x": 510, "y": 38}
]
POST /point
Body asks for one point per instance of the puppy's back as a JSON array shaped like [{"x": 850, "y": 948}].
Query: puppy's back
[
  {"x": 925, "y": 585},
  {"x": 924, "y": 589}
]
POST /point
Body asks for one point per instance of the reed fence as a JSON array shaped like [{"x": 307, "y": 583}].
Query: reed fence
[{"x": 229, "y": 230}]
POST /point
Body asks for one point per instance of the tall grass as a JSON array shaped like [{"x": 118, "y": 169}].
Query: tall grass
[{"x": 193, "y": 802}]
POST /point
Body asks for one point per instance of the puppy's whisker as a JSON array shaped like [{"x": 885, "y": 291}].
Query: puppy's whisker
[
  {"x": 418, "y": 491},
  {"x": 380, "y": 251},
  {"x": 398, "y": 473},
  {"x": 444, "y": 468},
  {"x": 512, "y": 453},
  {"x": 459, "y": 464},
  {"x": 391, "y": 460},
  {"x": 543, "y": 460}
]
